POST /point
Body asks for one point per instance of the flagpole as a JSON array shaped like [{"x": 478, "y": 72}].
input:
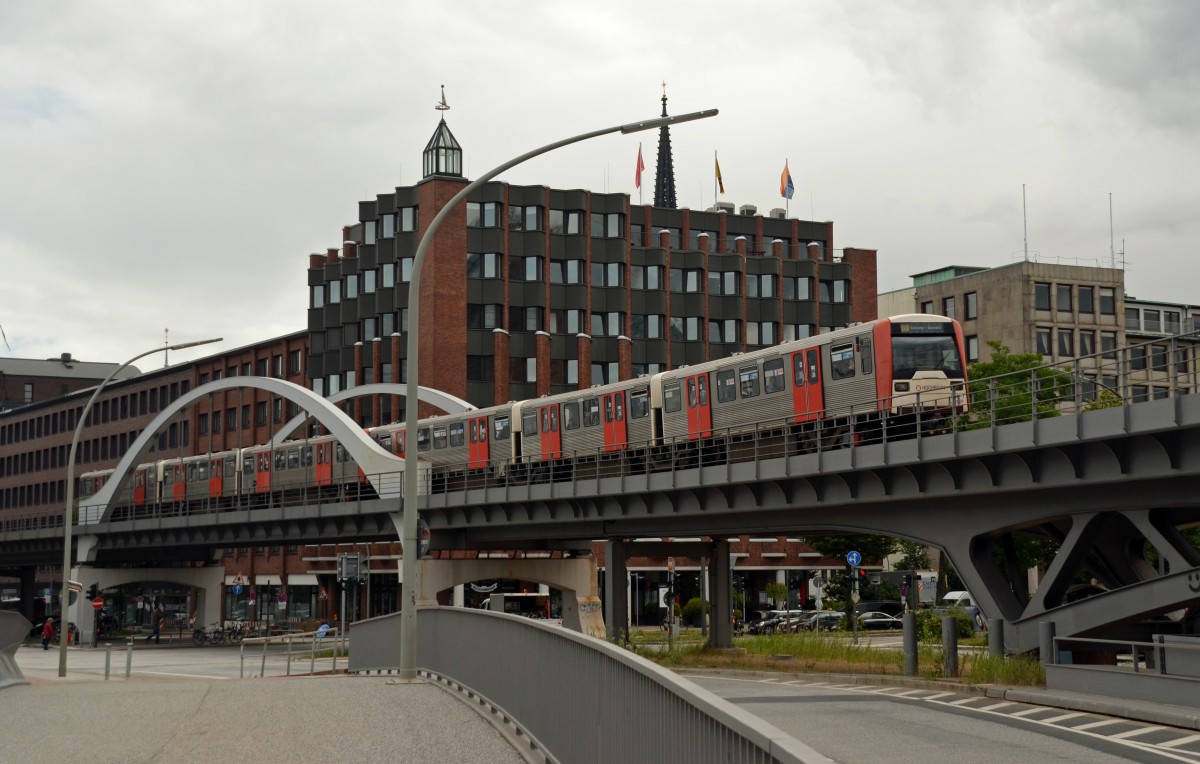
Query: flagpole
[
  {"x": 640, "y": 184},
  {"x": 787, "y": 203},
  {"x": 716, "y": 164}
]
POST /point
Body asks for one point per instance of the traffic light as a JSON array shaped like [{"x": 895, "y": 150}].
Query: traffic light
[
  {"x": 863, "y": 579},
  {"x": 93, "y": 591}
]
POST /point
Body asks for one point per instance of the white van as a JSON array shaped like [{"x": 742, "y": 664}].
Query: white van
[{"x": 958, "y": 599}]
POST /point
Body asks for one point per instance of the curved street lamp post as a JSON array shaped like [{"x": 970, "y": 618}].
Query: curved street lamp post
[
  {"x": 408, "y": 607},
  {"x": 68, "y": 511}
]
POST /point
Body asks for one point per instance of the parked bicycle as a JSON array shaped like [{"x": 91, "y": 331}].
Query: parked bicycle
[
  {"x": 214, "y": 635},
  {"x": 235, "y": 632}
]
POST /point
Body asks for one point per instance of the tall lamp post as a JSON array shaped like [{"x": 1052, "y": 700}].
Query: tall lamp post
[
  {"x": 408, "y": 607},
  {"x": 68, "y": 511}
]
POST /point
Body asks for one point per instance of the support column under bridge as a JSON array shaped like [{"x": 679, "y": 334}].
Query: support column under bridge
[
  {"x": 207, "y": 582},
  {"x": 575, "y": 577}
]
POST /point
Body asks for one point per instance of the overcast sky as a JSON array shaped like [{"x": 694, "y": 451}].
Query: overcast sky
[{"x": 174, "y": 164}]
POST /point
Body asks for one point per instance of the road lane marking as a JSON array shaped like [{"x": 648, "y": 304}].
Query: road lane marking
[
  {"x": 1179, "y": 741},
  {"x": 192, "y": 676},
  {"x": 1103, "y": 723},
  {"x": 1136, "y": 732}
]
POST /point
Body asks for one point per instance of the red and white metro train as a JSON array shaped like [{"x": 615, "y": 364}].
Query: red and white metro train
[{"x": 888, "y": 377}]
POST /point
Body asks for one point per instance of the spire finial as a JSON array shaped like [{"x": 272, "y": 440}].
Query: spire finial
[
  {"x": 664, "y": 98},
  {"x": 442, "y": 105},
  {"x": 166, "y": 344}
]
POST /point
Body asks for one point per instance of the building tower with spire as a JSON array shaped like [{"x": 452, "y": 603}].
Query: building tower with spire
[{"x": 664, "y": 179}]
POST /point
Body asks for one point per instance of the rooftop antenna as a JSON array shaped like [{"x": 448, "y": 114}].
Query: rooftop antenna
[
  {"x": 1024, "y": 223},
  {"x": 1112, "y": 253},
  {"x": 166, "y": 352}
]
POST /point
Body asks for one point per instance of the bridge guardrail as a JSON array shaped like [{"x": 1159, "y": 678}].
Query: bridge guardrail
[
  {"x": 317, "y": 642},
  {"x": 1166, "y": 670},
  {"x": 576, "y": 697}
]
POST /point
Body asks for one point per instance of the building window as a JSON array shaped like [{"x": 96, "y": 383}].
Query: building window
[
  {"x": 971, "y": 306},
  {"x": 646, "y": 327},
  {"x": 318, "y": 296},
  {"x": 603, "y": 373},
  {"x": 838, "y": 290},
  {"x": 760, "y": 285},
  {"x": 29, "y": 392},
  {"x": 566, "y": 222},
  {"x": 483, "y": 214},
  {"x": 1065, "y": 349},
  {"x": 351, "y": 286},
  {"x": 685, "y": 328},
  {"x": 566, "y": 271},
  {"x": 796, "y": 332},
  {"x": 522, "y": 369},
  {"x": 260, "y": 370},
  {"x": 727, "y": 331},
  {"x": 1171, "y": 323},
  {"x": 948, "y": 307},
  {"x": 294, "y": 360},
  {"x": 1108, "y": 301},
  {"x": 1150, "y": 319},
  {"x": 368, "y": 231},
  {"x": 723, "y": 282},
  {"x": 760, "y": 333},
  {"x": 1062, "y": 298},
  {"x": 370, "y": 328},
  {"x": 524, "y": 218},
  {"x": 608, "y": 226},
  {"x": 1086, "y": 299},
  {"x": 484, "y": 316},
  {"x": 796, "y": 288},
  {"x": 647, "y": 277},
  {"x": 1108, "y": 344},
  {"x": 483, "y": 265},
  {"x": 1087, "y": 342},
  {"x": 972, "y": 349},
  {"x": 1137, "y": 357},
  {"x": 927, "y": 307},
  {"x": 608, "y": 324},
  {"x": 387, "y": 275},
  {"x": 686, "y": 279},
  {"x": 525, "y": 268},
  {"x": 1043, "y": 341},
  {"x": 524, "y": 319},
  {"x": 1133, "y": 319},
  {"x": 335, "y": 292},
  {"x": 608, "y": 274},
  {"x": 389, "y": 226},
  {"x": 568, "y": 321},
  {"x": 480, "y": 368},
  {"x": 1041, "y": 296},
  {"x": 408, "y": 218}
]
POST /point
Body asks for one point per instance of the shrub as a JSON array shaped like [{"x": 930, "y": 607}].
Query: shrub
[
  {"x": 929, "y": 625},
  {"x": 692, "y": 610}
]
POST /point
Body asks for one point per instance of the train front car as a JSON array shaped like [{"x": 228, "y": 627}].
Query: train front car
[{"x": 922, "y": 378}]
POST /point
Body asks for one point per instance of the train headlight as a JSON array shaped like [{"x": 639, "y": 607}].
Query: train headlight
[{"x": 902, "y": 387}]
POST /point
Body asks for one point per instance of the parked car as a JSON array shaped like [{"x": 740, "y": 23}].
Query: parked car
[
  {"x": 879, "y": 621},
  {"x": 825, "y": 620},
  {"x": 891, "y": 607}
]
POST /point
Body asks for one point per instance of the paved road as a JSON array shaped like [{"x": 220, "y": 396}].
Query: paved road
[
  {"x": 897, "y": 725},
  {"x": 174, "y": 710}
]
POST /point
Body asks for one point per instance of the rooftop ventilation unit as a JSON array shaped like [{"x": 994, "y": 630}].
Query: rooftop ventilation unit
[
  {"x": 749, "y": 210},
  {"x": 779, "y": 213}
]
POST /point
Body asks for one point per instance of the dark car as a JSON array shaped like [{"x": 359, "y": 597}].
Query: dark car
[
  {"x": 878, "y": 621},
  {"x": 825, "y": 620},
  {"x": 891, "y": 607}
]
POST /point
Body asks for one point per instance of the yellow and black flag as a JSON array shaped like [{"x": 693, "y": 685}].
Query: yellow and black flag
[{"x": 720, "y": 182}]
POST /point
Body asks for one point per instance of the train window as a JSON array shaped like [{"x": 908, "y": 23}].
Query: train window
[
  {"x": 293, "y": 457},
  {"x": 554, "y": 419},
  {"x": 545, "y": 420},
  {"x": 773, "y": 380},
  {"x": 340, "y": 454},
  {"x": 813, "y": 370},
  {"x": 247, "y": 465},
  {"x": 691, "y": 387},
  {"x": 423, "y": 439},
  {"x": 501, "y": 425},
  {"x": 202, "y": 471},
  {"x": 639, "y": 404},
  {"x": 702, "y": 383},
  {"x": 306, "y": 456},
  {"x": 439, "y": 437},
  {"x": 868, "y": 359},
  {"x": 726, "y": 387},
  {"x": 571, "y": 416},
  {"x": 483, "y": 430},
  {"x": 281, "y": 460},
  {"x": 474, "y": 432},
  {"x": 672, "y": 401},
  {"x": 798, "y": 369},
  {"x": 385, "y": 442},
  {"x": 191, "y": 473},
  {"x": 591, "y": 412},
  {"x": 748, "y": 378},
  {"x": 168, "y": 476},
  {"x": 608, "y": 408},
  {"x": 529, "y": 423},
  {"x": 841, "y": 360},
  {"x": 619, "y": 402},
  {"x": 457, "y": 439},
  {"x": 85, "y": 487},
  {"x": 229, "y": 467}
]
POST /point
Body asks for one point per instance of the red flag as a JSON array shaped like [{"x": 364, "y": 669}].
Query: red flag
[{"x": 637, "y": 178}]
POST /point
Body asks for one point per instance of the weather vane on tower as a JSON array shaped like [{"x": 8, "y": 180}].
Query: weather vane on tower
[{"x": 442, "y": 105}]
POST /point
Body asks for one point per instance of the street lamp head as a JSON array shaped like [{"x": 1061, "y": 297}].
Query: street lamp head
[
  {"x": 183, "y": 345},
  {"x": 650, "y": 124}
]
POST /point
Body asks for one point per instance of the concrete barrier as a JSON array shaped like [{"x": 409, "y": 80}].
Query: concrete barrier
[{"x": 14, "y": 627}]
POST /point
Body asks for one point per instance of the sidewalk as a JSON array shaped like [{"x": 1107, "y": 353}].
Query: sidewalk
[{"x": 157, "y": 716}]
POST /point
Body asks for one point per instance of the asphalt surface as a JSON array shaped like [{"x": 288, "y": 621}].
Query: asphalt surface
[{"x": 172, "y": 713}]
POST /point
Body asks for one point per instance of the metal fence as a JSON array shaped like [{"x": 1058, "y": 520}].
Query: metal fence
[
  {"x": 576, "y": 698},
  {"x": 1166, "y": 670}
]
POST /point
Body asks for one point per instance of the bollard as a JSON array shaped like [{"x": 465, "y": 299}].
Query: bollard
[
  {"x": 289, "y": 655},
  {"x": 1046, "y": 643},
  {"x": 312, "y": 655},
  {"x": 263, "y": 671},
  {"x": 107, "y": 658},
  {"x": 910, "y": 644},
  {"x": 242, "y": 661},
  {"x": 950, "y": 646},
  {"x": 996, "y": 637},
  {"x": 129, "y": 657},
  {"x": 335, "y": 652}
]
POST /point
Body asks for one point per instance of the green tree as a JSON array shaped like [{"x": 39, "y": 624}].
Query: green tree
[
  {"x": 913, "y": 555},
  {"x": 1013, "y": 385},
  {"x": 778, "y": 593},
  {"x": 872, "y": 548},
  {"x": 1105, "y": 399}
]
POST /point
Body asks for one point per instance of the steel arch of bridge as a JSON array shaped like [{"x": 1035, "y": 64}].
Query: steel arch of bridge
[
  {"x": 373, "y": 460},
  {"x": 444, "y": 401}
]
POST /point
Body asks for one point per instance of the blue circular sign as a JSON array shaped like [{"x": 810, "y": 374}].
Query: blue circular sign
[
  {"x": 854, "y": 558},
  {"x": 237, "y": 589}
]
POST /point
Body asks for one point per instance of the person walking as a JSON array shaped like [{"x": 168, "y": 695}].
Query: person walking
[
  {"x": 48, "y": 633},
  {"x": 155, "y": 626}
]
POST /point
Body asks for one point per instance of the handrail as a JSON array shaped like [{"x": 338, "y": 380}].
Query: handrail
[{"x": 314, "y": 638}]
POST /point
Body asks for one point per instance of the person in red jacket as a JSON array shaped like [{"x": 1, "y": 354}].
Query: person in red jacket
[{"x": 47, "y": 633}]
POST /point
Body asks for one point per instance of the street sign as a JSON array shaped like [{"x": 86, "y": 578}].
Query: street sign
[
  {"x": 237, "y": 589},
  {"x": 422, "y": 538},
  {"x": 97, "y": 604},
  {"x": 854, "y": 558},
  {"x": 671, "y": 564},
  {"x": 817, "y": 582}
]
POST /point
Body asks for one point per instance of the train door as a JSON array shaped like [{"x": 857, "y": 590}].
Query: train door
[
  {"x": 616, "y": 433},
  {"x": 139, "y": 487},
  {"x": 808, "y": 396},
  {"x": 477, "y": 446},
  {"x": 551, "y": 433},
  {"x": 216, "y": 478},
  {"x": 179, "y": 485},
  {"x": 324, "y": 469},
  {"x": 699, "y": 406},
  {"x": 262, "y": 472}
]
